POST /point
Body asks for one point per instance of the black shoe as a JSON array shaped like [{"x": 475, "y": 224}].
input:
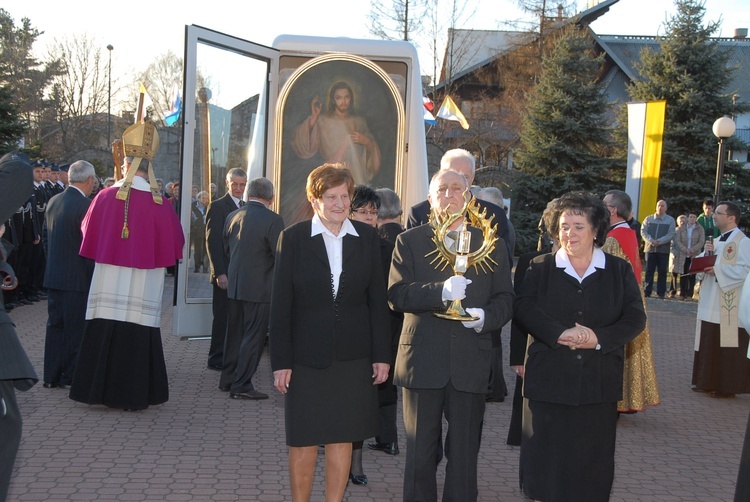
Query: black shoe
[
  {"x": 32, "y": 298},
  {"x": 50, "y": 385},
  {"x": 215, "y": 367},
  {"x": 225, "y": 388},
  {"x": 388, "y": 448},
  {"x": 358, "y": 479},
  {"x": 253, "y": 395},
  {"x": 24, "y": 301}
]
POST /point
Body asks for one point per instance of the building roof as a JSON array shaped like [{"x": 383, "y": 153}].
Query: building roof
[
  {"x": 625, "y": 52},
  {"x": 476, "y": 48}
]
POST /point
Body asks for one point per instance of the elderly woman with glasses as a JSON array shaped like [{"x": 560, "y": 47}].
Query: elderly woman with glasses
[
  {"x": 580, "y": 307},
  {"x": 330, "y": 343}
]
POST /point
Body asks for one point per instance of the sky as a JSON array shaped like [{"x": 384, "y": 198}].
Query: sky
[{"x": 139, "y": 36}]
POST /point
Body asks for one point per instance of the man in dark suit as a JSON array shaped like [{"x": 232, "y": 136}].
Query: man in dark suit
[
  {"x": 216, "y": 216},
  {"x": 250, "y": 237},
  {"x": 443, "y": 366},
  {"x": 67, "y": 276},
  {"x": 16, "y": 372},
  {"x": 463, "y": 162}
]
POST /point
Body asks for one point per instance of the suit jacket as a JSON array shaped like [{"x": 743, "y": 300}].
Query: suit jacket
[
  {"x": 420, "y": 214},
  {"x": 66, "y": 269},
  {"x": 431, "y": 350},
  {"x": 216, "y": 217},
  {"x": 518, "y": 337},
  {"x": 550, "y": 301},
  {"x": 250, "y": 238},
  {"x": 310, "y": 327}
]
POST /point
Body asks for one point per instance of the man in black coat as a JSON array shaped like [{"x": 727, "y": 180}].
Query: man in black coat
[
  {"x": 463, "y": 162},
  {"x": 216, "y": 217},
  {"x": 67, "y": 277},
  {"x": 250, "y": 237},
  {"x": 16, "y": 371},
  {"x": 442, "y": 365}
]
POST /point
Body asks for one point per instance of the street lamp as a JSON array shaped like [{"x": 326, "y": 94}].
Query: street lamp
[
  {"x": 109, "y": 98},
  {"x": 723, "y": 129}
]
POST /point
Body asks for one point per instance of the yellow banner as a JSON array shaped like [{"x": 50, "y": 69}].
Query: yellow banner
[
  {"x": 652, "y": 146},
  {"x": 645, "y": 139}
]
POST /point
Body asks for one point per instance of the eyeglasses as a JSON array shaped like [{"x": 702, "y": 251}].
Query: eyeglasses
[
  {"x": 720, "y": 214},
  {"x": 365, "y": 212}
]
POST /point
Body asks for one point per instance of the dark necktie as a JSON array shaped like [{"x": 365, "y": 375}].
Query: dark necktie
[
  {"x": 242, "y": 203},
  {"x": 724, "y": 237}
]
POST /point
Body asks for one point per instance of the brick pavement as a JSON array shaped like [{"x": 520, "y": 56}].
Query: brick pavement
[{"x": 202, "y": 446}]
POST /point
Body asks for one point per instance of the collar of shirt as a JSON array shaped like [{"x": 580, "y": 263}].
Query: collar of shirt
[
  {"x": 37, "y": 184},
  {"x": 138, "y": 184},
  {"x": 563, "y": 261},
  {"x": 235, "y": 199},
  {"x": 79, "y": 190},
  {"x": 622, "y": 223},
  {"x": 317, "y": 227}
]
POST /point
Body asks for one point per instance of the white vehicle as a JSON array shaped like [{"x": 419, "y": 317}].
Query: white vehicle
[{"x": 281, "y": 111}]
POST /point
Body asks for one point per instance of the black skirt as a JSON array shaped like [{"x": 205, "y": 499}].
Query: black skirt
[
  {"x": 337, "y": 404},
  {"x": 120, "y": 365},
  {"x": 568, "y": 452}
]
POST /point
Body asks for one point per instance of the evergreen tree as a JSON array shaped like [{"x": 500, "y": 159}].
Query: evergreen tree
[
  {"x": 12, "y": 126},
  {"x": 566, "y": 135},
  {"x": 26, "y": 77},
  {"x": 690, "y": 72}
]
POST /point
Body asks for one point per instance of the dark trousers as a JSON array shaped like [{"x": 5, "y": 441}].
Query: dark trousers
[
  {"x": 497, "y": 388},
  {"x": 10, "y": 433},
  {"x": 656, "y": 262},
  {"x": 387, "y": 431},
  {"x": 246, "y": 335},
  {"x": 423, "y": 413},
  {"x": 687, "y": 281},
  {"x": 38, "y": 264},
  {"x": 219, "y": 326},
  {"x": 66, "y": 311}
]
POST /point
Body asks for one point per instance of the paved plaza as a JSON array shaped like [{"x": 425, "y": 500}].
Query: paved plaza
[{"x": 203, "y": 446}]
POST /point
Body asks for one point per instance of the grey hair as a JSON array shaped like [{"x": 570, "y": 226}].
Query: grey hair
[
  {"x": 390, "y": 204},
  {"x": 457, "y": 153},
  {"x": 622, "y": 202},
  {"x": 491, "y": 194},
  {"x": 80, "y": 172},
  {"x": 260, "y": 188},
  {"x": 236, "y": 171}
]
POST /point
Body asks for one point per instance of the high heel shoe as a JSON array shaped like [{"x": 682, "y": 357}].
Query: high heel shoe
[{"x": 358, "y": 479}]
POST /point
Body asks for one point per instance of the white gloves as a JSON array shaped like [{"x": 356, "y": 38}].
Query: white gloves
[
  {"x": 479, "y": 323},
  {"x": 455, "y": 288}
]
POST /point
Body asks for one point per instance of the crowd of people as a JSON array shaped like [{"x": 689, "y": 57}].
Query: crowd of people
[{"x": 347, "y": 300}]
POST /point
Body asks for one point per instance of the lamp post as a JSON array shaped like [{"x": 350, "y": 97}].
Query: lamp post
[
  {"x": 109, "y": 98},
  {"x": 723, "y": 128}
]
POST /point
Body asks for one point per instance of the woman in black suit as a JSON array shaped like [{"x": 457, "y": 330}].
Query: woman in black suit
[
  {"x": 581, "y": 307},
  {"x": 330, "y": 342}
]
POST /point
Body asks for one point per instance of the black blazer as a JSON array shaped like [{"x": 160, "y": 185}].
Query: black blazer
[
  {"x": 216, "y": 217},
  {"x": 431, "y": 350},
  {"x": 66, "y": 269},
  {"x": 550, "y": 301},
  {"x": 308, "y": 326},
  {"x": 518, "y": 337},
  {"x": 419, "y": 214},
  {"x": 250, "y": 238}
]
